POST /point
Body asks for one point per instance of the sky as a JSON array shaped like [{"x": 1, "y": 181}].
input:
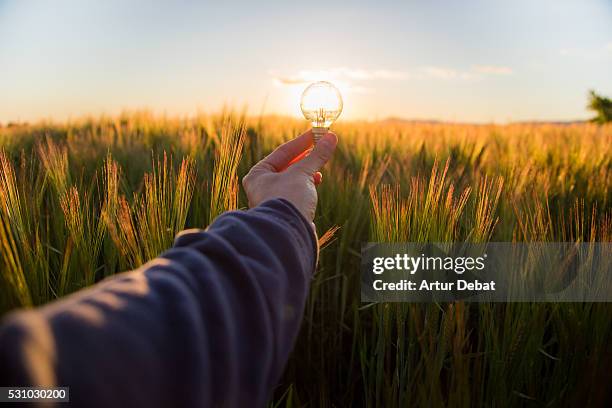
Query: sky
[{"x": 466, "y": 61}]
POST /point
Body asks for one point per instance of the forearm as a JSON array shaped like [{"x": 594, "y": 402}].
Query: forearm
[{"x": 210, "y": 322}]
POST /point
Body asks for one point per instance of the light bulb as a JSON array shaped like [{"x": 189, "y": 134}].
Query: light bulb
[{"x": 321, "y": 105}]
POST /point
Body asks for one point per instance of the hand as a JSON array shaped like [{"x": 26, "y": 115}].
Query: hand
[{"x": 290, "y": 172}]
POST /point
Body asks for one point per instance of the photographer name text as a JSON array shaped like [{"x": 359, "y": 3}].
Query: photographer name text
[{"x": 413, "y": 264}]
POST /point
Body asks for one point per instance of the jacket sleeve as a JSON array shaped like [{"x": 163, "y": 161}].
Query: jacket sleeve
[{"x": 210, "y": 322}]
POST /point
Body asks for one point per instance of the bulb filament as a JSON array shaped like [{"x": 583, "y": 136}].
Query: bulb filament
[{"x": 321, "y": 117}]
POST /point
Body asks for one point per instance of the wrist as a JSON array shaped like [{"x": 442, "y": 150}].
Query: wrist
[{"x": 305, "y": 228}]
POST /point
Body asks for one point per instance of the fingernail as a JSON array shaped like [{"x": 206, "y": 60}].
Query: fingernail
[{"x": 327, "y": 139}]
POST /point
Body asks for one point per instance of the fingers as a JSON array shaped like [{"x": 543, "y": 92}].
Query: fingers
[
  {"x": 317, "y": 178},
  {"x": 320, "y": 155},
  {"x": 282, "y": 157},
  {"x": 298, "y": 157}
]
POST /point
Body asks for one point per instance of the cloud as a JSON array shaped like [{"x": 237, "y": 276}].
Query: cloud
[
  {"x": 346, "y": 77},
  {"x": 588, "y": 53},
  {"x": 476, "y": 71},
  {"x": 492, "y": 70},
  {"x": 287, "y": 80},
  {"x": 338, "y": 74},
  {"x": 439, "y": 72},
  {"x": 385, "y": 74},
  {"x": 444, "y": 73},
  {"x": 581, "y": 53}
]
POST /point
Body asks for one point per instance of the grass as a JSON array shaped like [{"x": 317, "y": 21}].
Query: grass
[{"x": 83, "y": 200}]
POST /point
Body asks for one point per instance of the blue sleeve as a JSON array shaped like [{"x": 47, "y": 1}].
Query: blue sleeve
[{"x": 210, "y": 322}]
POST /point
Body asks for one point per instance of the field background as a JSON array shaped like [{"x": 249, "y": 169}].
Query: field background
[{"x": 84, "y": 200}]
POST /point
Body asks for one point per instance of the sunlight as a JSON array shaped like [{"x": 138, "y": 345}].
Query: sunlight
[{"x": 292, "y": 88}]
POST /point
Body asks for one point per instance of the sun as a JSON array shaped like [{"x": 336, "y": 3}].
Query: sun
[{"x": 291, "y": 90}]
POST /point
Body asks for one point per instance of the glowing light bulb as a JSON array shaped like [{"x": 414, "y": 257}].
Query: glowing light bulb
[{"x": 321, "y": 105}]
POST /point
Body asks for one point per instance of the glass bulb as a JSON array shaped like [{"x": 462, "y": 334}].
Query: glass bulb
[{"x": 321, "y": 104}]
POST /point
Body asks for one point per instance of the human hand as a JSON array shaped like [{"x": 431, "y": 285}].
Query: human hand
[{"x": 291, "y": 172}]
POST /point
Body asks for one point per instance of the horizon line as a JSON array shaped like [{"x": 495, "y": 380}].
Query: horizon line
[{"x": 242, "y": 112}]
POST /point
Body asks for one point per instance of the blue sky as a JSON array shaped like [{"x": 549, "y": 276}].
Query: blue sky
[{"x": 471, "y": 60}]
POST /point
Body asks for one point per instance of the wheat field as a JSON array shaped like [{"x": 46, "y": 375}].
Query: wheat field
[{"x": 84, "y": 200}]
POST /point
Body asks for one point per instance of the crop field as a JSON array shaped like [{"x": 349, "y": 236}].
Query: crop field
[{"x": 83, "y": 200}]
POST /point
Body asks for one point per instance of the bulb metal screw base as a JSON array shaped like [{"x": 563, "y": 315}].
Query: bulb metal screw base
[{"x": 317, "y": 133}]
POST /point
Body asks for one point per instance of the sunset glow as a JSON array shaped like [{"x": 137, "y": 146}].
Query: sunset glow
[{"x": 473, "y": 61}]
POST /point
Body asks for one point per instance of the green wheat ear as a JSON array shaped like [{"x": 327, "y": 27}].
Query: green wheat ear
[
  {"x": 388, "y": 181},
  {"x": 12, "y": 230},
  {"x": 225, "y": 184}
]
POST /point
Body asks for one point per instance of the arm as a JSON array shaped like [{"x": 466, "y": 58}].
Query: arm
[{"x": 211, "y": 322}]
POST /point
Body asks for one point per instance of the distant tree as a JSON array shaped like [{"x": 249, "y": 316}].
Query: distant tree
[{"x": 602, "y": 106}]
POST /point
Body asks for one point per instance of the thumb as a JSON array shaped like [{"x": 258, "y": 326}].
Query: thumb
[{"x": 321, "y": 153}]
